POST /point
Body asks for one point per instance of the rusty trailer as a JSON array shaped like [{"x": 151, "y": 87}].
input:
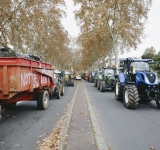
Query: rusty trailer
[{"x": 24, "y": 79}]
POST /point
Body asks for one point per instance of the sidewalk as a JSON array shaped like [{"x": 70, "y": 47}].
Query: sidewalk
[{"x": 80, "y": 134}]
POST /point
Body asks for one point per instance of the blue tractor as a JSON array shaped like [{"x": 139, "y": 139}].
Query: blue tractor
[{"x": 136, "y": 83}]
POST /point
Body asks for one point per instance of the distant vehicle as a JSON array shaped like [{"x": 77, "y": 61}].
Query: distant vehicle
[
  {"x": 91, "y": 77},
  {"x": 59, "y": 90},
  {"x": 107, "y": 79},
  {"x": 78, "y": 77}
]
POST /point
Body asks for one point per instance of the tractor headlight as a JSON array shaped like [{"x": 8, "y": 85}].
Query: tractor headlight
[{"x": 146, "y": 80}]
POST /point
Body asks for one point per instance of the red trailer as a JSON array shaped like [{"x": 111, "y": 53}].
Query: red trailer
[{"x": 24, "y": 79}]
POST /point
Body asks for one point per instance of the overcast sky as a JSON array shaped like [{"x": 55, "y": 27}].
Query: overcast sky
[{"x": 152, "y": 30}]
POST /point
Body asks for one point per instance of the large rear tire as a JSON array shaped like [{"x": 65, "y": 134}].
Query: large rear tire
[
  {"x": 118, "y": 94},
  {"x": 102, "y": 85},
  {"x": 131, "y": 96},
  {"x": 62, "y": 89},
  {"x": 58, "y": 93},
  {"x": 98, "y": 85},
  {"x": 72, "y": 82},
  {"x": 43, "y": 100}
]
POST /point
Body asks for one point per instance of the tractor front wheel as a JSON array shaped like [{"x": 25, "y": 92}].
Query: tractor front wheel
[
  {"x": 130, "y": 97},
  {"x": 118, "y": 94}
]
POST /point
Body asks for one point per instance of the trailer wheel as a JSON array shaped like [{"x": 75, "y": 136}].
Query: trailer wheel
[
  {"x": 43, "y": 100},
  {"x": 131, "y": 96},
  {"x": 10, "y": 106},
  {"x": 118, "y": 94}
]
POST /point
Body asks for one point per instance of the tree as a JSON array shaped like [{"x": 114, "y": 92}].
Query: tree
[
  {"x": 34, "y": 27},
  {"x": 108, "y": 24},
  {"x": 149, "y": 53}
]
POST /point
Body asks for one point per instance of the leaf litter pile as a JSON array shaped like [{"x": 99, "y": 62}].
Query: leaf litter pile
[{"x": 53, "y": 140}]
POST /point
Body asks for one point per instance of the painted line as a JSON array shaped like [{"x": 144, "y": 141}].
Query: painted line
[
  {"x": 101, "y": 145},
  {"x": 67, "y": 120},
  {"x": 146, "y": 107}
]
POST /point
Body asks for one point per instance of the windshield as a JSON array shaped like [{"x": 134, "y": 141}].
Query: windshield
[
  {"x": 140, "y": 66},
  {"x": 109, "y": 71}
]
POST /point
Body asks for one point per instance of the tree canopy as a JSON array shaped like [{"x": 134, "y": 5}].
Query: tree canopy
[
  {"x": 105, "y": 24},
  {"x": 34, "y": 27}
]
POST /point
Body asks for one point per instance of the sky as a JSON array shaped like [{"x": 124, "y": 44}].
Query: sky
[{"x": 152, "y": 28}]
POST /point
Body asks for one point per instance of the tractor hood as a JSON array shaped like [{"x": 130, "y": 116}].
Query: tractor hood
[{"x": 149, "y": 78}]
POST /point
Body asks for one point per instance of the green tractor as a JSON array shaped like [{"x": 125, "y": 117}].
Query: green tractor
[{"x": 107, "y": 79}]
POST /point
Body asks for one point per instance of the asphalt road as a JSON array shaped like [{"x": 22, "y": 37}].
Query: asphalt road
[
  {"x": 125, "y": 129},
  {"x": 23, "y": 127}
]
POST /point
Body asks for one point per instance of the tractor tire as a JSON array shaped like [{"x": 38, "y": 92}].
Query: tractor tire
[
  {"x": 10, "y": 106},
  {"x": 102, "y": 84},
  {"x": 72, "y": 82},
  {"x": 62, "y": 89},
  {"x": 98, "y": 85},
  {"x": 131, "y": 96},
  {"x": 95, "y": 83},
  {"x": 43, "y": 100},
  {"x": 118, "y": 94},
  {"x": 58, "y": 93}
]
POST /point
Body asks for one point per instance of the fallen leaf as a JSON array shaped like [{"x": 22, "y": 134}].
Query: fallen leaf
[
  {"x": 14, "y": 116},
  {"x": 152, "y": 148},
  {"x": 2, "y": 142},
  {"x": 17, "y": 145}
]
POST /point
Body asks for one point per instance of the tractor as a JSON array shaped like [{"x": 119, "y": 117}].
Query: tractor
[
  {"x": 107, "y": 79},
  {"x": 136, "y": 83}
]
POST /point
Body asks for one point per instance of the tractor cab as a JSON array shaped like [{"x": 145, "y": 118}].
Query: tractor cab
[{"x": 132, "y": 65}]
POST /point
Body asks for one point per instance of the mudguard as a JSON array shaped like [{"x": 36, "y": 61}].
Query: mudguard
[{"x": 121, "y": 78}]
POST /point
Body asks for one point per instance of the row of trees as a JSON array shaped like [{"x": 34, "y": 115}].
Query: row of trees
[
  {"x": 150, "y": 53},
  {"x": 34, "y": 27},
  {"x": 109, "y": 27}
]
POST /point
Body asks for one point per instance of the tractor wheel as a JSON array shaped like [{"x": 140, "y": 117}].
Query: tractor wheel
[
  {"x": 131, "y": 96},
  {"x": 10, "y": 106},
  {"x": 72, "y": 82},
  {"x": 43, "y": 100},
  {"x": 118, "y": 94},
  {"x": 102, "y": 84},
  {"x": 58, "y": 93},
  {"x": 62, "y": 90},
  {"x": 98, "y": 85},
  {"x": 95, "y": 83},
  {"x": 158, "y": 103}
]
